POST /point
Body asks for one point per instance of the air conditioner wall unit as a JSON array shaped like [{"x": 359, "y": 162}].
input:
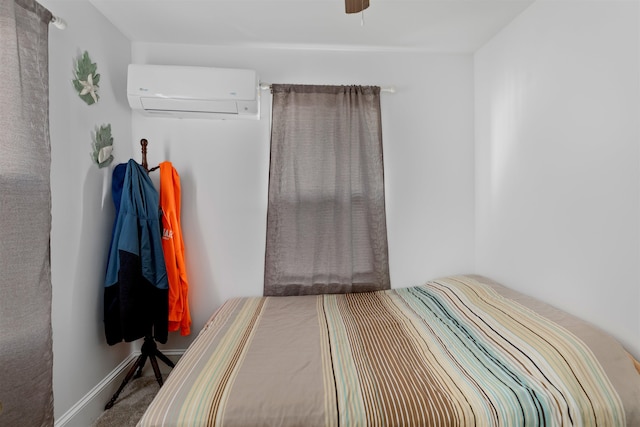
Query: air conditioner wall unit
[{"x": 193, "y": 92}]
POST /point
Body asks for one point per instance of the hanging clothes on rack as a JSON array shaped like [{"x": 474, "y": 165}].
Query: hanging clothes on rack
[
  {"x": 136, "y": 285},
  {"x": 137, "y": 288},
  {"x": 173, "y": 248}
]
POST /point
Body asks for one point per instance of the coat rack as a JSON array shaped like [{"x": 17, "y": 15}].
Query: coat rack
[{"x": 149, "y": 348}]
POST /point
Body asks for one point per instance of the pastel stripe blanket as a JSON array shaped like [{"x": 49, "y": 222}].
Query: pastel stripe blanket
[{"x": 453, "y": 352}]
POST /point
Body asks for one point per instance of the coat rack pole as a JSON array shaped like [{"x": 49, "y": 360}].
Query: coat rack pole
[
  {"x": 144, "y": 143},
  {"x": 145, "y": 164}
]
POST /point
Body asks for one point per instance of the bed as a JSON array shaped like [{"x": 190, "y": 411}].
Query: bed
[{"x": 457, "y": 351}]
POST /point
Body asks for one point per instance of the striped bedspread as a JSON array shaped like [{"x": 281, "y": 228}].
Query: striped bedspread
[{"x": 454, "y": 352}]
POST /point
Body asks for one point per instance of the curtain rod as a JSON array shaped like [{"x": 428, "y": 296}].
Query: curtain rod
[
  {"x": 58, "y": 22},
  {"x": 389, "y": 89}
]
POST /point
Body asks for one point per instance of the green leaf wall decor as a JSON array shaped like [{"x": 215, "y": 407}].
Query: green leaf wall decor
[
  {"x": 86, "y": 79},
  {"x": 102, "y": 146}
]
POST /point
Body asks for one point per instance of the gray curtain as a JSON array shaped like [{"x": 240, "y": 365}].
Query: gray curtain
[
  {"x": 26, "y": 358},
  {"x": 326, "y": 225}
]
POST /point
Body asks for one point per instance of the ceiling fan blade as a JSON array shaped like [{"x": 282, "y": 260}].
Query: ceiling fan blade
[{"x": 355, "y": 6}]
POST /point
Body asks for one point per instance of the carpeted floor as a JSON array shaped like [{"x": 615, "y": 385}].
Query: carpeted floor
[{"x": 131, "y": 404}]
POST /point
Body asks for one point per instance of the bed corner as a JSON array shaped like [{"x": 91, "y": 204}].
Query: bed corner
[{"x": 636, "y": 364}]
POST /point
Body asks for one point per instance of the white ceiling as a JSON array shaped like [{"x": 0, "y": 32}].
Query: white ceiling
[{"x": 425, "y": 25}]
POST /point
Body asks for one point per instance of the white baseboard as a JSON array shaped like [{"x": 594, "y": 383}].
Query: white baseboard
[{"x": 89, "y": 408}]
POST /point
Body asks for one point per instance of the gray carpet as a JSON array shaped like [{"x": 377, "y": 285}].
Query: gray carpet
[{"x": 131, "y": 404}]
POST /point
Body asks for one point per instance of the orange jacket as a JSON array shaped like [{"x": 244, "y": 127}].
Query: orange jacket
[{"x": 173, "y": 248}]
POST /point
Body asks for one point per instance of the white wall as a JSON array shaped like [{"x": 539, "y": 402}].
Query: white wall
[
  {"x": 557, "y": 160},
  {"x": 428, "y": 153},
  {"x": 82, "y": 210}
]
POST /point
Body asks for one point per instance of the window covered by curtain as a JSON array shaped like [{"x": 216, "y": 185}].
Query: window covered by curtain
[
  {"x": 326, "y": 224},
  {"x": 26, "y": 360}
]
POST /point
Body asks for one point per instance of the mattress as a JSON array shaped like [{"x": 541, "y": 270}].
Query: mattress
[{"x": 458, "y": 351}]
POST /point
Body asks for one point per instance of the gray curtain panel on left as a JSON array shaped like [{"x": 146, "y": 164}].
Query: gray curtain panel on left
[{"x": 26, "y": 356}]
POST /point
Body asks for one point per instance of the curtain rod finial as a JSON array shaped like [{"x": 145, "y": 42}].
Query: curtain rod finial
[{"x": 58, "y": 22}]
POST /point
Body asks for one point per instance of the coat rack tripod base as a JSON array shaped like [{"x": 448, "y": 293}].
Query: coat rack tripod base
[{"x": 149, "y": 351}]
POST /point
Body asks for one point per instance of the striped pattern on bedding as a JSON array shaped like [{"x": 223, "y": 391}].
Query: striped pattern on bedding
[
  {"x": 453, "y": 354},
  {"x": 450, "y": 353}
]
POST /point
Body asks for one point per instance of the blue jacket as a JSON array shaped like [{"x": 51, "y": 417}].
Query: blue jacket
[{"x": 136, "y": 285}]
